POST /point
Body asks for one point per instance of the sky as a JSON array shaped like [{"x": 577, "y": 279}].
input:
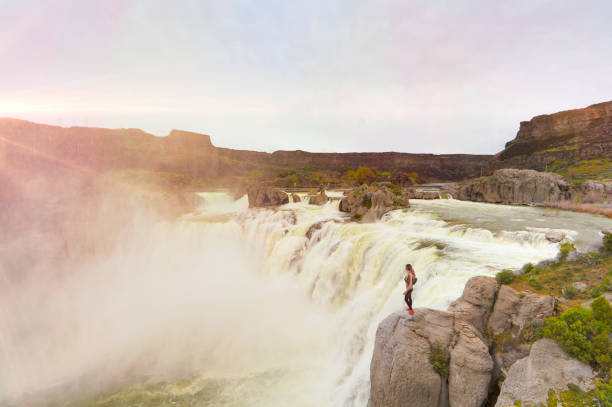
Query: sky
[{"x": 347, "y": 75}]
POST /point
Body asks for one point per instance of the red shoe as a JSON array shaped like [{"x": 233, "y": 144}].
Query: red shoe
[{"x": 411, "y": 312}]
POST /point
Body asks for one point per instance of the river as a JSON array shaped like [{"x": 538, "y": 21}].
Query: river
[{"x": 237, "y": 307}]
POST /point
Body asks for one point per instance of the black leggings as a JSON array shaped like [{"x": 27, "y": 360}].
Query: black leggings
[{"x": 408, "y": 299}]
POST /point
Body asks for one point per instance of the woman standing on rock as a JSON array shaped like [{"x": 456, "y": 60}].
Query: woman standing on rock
[{"x": 410, "y": 280}]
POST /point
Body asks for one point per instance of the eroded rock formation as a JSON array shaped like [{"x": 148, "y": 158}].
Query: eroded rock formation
[
  {"x": 369, "y": 203},
  {"x": 513, "y": 186},
  {"x": 546, "y": 367},
  {"x": 262, "y": 196},
  {"x": 466, "y": 334}
]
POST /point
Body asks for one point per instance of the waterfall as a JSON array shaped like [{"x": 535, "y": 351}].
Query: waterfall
[{"x": 258, "y": 307}]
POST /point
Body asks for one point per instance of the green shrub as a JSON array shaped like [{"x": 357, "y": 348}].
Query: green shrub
[
  {"x": 584, "y": 334},
  {"x": 357, "y": 216},
  {"x": 603, "y": 391},
  {"x": 535, "y": 284},
  {"x": 396, "y": 189},
  {"x": 606, "y": 285},
  {"x": 607, "y": 242},
  {"x": 566, "y": 249},
  {"x": 602, "y": 311},
  {"x": 527, "y": 267},
  {"x": 438, "y": 358},
  {"x": 505, "y": 277},
  {"x": 593, "y": 258},
  {"x": 594, "y": 292},
  {"x": 569, "y": 292}
]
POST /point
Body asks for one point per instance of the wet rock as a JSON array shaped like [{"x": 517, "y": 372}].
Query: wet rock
[
  {"x": 546, "y": 367},
  {"x": 295, "y": 198},
  {"x": 474, "y": 305},
  {"x": 555, "y": 236},
  {"x": 369, "y": 203},
  {"x": 262, "y": 196},
  {"x": 320, "y": 199}
]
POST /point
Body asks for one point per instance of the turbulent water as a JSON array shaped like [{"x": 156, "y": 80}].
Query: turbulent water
[{"x": 238, "y": 307}]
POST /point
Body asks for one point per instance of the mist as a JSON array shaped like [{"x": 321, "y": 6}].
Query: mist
[{"x": 165, "y": 299}]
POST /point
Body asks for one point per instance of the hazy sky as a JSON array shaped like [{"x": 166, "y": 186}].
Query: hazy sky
[{"x": 414, "y": 76}]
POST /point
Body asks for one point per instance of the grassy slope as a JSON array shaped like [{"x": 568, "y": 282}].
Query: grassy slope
[{"x": 594, "y": 269}]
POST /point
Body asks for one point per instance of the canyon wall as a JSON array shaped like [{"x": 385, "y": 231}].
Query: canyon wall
[{"x": 572, "y": 135}]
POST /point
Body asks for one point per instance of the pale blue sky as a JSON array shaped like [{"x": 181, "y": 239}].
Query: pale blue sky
[{"x": 402, "y": 75}]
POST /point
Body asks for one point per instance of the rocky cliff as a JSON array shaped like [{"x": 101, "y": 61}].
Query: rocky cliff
[
  {"x": 42, "y": 147},
  {"x": 572, "y": 135},
  {"x": 440, "y": 359}
]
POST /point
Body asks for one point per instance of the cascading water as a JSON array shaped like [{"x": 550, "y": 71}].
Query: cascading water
[{"x": 258, "y": 308}]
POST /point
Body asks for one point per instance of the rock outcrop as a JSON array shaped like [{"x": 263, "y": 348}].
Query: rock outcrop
[
  {"x": 369, "y": 203},
  {"x": 295, "y": 198},
  {"x": 474, "y": 305},
  {"x": 401, "y": 374},
  {"x": 319, "y": 199},
  {"x": 546, "y": 367},
  {"x": 572, "y": 135},
  {"x": 467, "y": 333},
  {"x": 262, "y": 196},
  {"x": 513, "y": 186},
  {"x": 555, "y": 236}
]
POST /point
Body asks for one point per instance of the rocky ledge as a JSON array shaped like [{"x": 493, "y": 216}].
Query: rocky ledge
[{"x": 454, "y": 358}]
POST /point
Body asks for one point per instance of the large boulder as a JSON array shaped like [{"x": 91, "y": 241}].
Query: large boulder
[
  {"x": 262, "y": 196},
  {"x": 295, "y": 198},
  {"x": 400, "y": 372},
  {"x": 547, "y": 367},
  {"x": 474, "y": 305},
  {"x": 470, "y": 369},
  {"x": 514, "y": 311},
  {"x": 320, "y": 199},
  {"x": 512, "y": 314},
  {"x": 514, "y": 186},
  {"x": 369, "y": 203}
]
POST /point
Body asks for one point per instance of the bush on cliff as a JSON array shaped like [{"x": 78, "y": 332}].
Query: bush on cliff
[
  {"x": 584, "y": 333},
  {"x": 505, "y": 277},
  {"x": 438, "y": 358}
]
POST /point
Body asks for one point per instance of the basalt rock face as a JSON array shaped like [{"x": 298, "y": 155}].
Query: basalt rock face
[
  {"x": 514, "y": 186},
  {"x": 467, "y": 335},
  {"x": 571, "y": 135}
]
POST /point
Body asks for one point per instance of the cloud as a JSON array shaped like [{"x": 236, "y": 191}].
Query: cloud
[{"x": 320, "y": 76}]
